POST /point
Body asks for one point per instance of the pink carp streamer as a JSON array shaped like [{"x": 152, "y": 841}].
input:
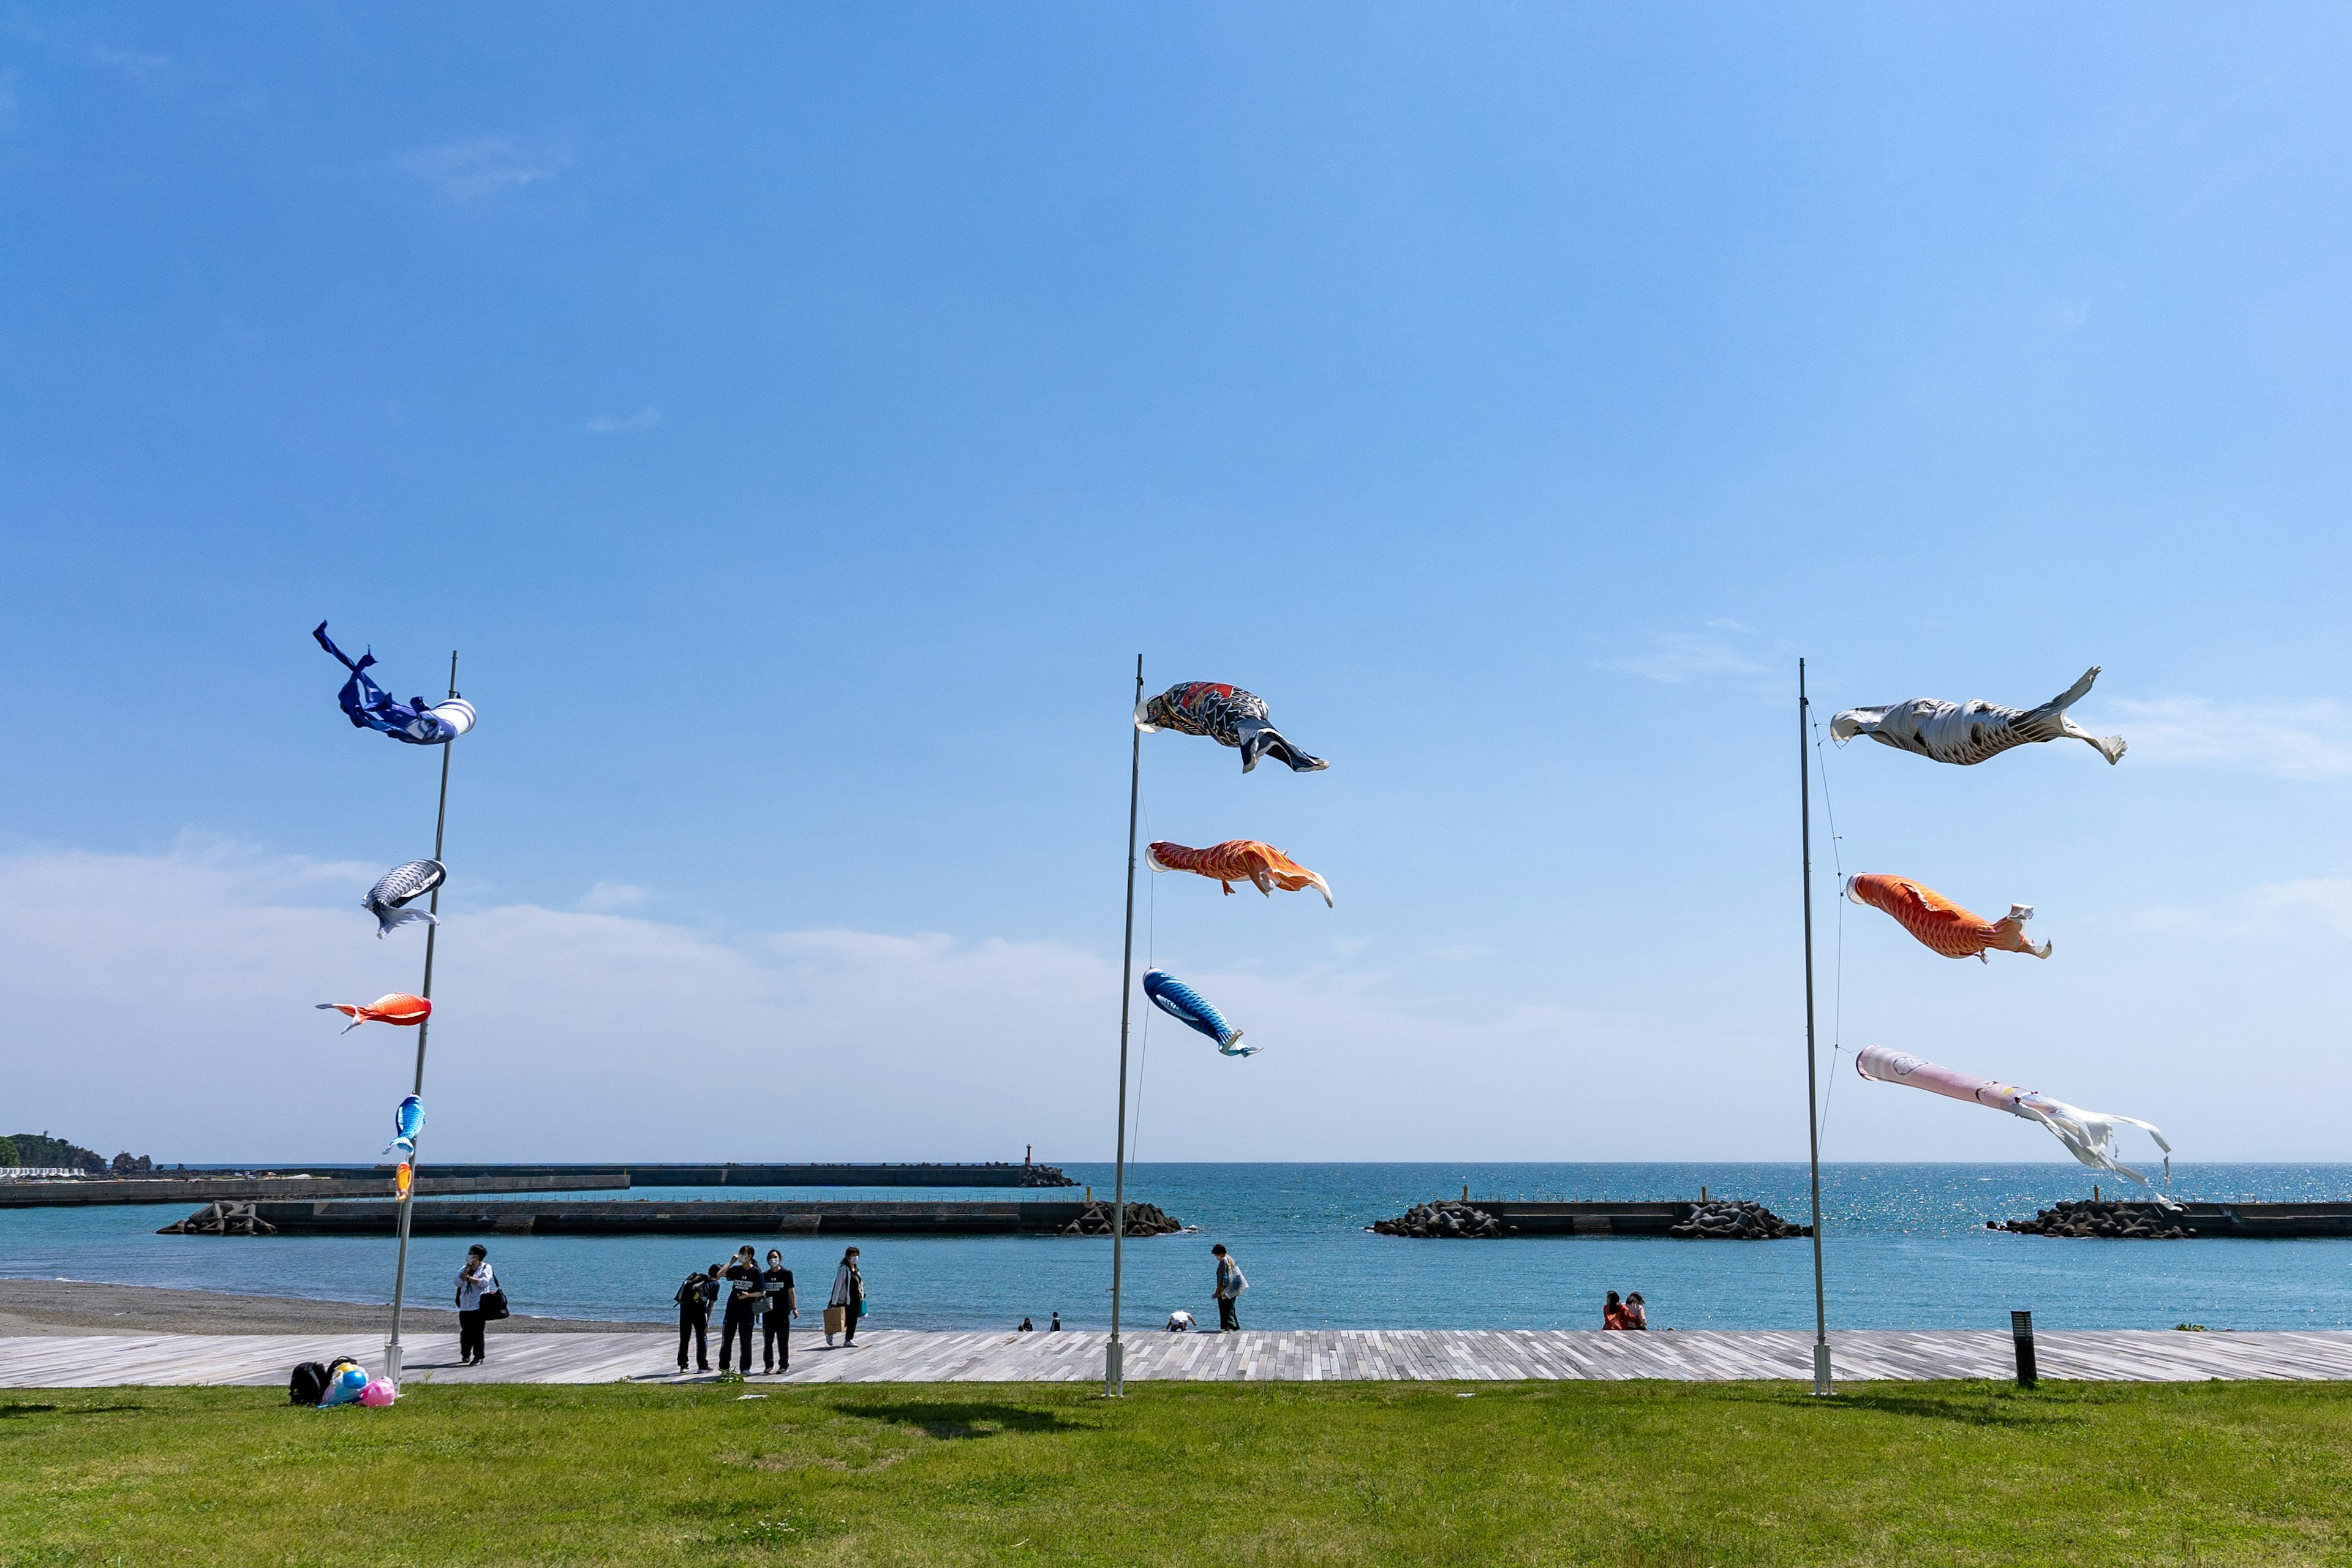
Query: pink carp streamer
[
  {"x": 2089, "y": 1135},
  {"x": 399, "y": 1008},
  {"x": 1240, "y": 860},
  {"x": 1941, "y": 925}
]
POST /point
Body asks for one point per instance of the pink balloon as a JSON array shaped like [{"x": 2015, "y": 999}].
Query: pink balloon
[{"x": 379, "y": 1393}]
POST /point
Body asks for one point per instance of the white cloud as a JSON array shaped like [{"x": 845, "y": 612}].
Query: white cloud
[
  {"x": 612, "y": 898},
  {"x": 488, "y": 166},
  {"x": 642, "y": 419},
  {"x": 2306, "y": 741},
  {"x": 1678, "y": 657}
]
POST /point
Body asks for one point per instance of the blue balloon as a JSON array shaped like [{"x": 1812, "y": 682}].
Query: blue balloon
[
  {"x": 348, "y": 1385},
  {"x": 1180, "y": 1002}
]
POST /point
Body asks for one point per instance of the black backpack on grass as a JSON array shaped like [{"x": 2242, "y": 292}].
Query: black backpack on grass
[{"x": 309, "y": 1384}]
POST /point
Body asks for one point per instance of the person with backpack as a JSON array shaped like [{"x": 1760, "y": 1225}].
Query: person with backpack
[
  {"x": 742, "y": 1319},
  {"x": 1231, "y": 1283},
  {"x": 693, "y": 1299},
  {"x": 783, "y": 1305},
  {"x": 846, "y": 1302},
  {"x": 475, "y": 1280}
]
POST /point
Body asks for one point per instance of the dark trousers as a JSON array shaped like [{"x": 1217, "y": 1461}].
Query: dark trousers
[
  {"x": 1229, "y": 1314},
  {"x": 694, "y": 1323},
  {"x": 470, "y": 1335},
  {"x": 740, "y": 1321},
  {"x": 776, "y": 1349},
  {"x": 849, "y": 1317}
]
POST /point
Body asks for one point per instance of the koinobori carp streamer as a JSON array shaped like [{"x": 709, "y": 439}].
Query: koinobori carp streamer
[
  {"x": 416, "y": 722},
  {"x": 1967, "y": 732},
  {"x": 399, "y": 1008},
  {"x": 2089, "y": 1135},
  {"x": 1180, "y": 1002},
  {"x": 1941, "y": 925},
  {"x": 1227, "y": 715},
  {"x": 398, "y": 886},
  {"x": 1239, "y": 860}
]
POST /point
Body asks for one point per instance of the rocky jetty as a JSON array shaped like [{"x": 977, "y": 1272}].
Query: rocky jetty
[
  {"x": 2118, "y": 1221},
  {"x": 1447, "y": 1220},
  {"x": 1044, "y": 1176},
  {"x": 222, "y": 1219},
  {"x": 1142, "y": 1219},
  {"x": 1736, "y": 1220}
]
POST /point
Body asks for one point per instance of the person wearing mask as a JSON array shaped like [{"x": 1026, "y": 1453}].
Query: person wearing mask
[
  {"x": 784, "y": 1304},
  {"x": 846, "y": 1300},
  {"x": 1229, "y": 1286},
  {"x": 475, "y": 1280},
  {"x": 1637, "y": 1316},
  {"x": 742, "y": 1318},
  {"x": 693, "y": 1299}
]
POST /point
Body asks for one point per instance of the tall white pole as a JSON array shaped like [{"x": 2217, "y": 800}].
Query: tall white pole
[
  {"x": 392, "y": 1368},
  {"x": 1114, "y": 1368},
  {"x": 1813, "y": 1116}
]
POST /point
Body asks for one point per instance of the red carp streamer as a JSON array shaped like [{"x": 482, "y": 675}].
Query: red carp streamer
[
  {"x": 1240, "y": 860},
  {"x": 399, "y": 1008},
  {"x": 1942, "y": 924}
]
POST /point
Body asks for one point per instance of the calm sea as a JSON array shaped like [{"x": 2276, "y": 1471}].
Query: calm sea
[{"x": 1906, "y": 1248}]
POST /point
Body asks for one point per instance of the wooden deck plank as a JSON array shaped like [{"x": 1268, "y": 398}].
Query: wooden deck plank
[{"x": 1259, "y": 1355}]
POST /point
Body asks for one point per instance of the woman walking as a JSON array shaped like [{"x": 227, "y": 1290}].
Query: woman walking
[
  {"x": 475, "y": 1280},
  {"x": 848, "y": 1300},
  {"x": 783, "y": 1305}
]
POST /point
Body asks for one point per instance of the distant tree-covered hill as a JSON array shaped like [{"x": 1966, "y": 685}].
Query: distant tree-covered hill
[{"x": 40, "y": 1149}]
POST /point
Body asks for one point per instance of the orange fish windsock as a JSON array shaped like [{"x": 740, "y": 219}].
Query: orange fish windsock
[
  {"x": 399, "y": 1008},
  {"x": 1239, "y": 860},
  {"x": 1942, "y": 924}
]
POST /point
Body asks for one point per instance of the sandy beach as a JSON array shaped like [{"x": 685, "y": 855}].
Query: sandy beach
[{"x": 31, "y": 1307}]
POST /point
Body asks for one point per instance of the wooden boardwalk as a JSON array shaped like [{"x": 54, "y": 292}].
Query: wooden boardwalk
[{"x": 1262, "y": 1355}]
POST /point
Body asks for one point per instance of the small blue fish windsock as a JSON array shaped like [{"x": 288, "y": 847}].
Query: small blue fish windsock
[
  {"x": 406, "y": 1122},
  {"x": 416, "y": 722},
  {"x": 399, "y": 886},
  {"x": 1180, "y": 1002}
]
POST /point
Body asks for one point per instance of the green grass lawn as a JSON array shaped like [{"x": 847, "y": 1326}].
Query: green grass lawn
[{"x": 1209, "y": 1473}]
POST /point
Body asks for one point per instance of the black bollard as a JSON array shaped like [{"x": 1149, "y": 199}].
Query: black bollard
[{"x": 2021, "y": 1325}]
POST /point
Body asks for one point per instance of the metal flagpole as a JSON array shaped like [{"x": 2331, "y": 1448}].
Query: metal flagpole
[
  {"x": 408, "y": 1199},
  {"x": 1114, "y": 1369},
  {"x": 1813, "y": 1115}
]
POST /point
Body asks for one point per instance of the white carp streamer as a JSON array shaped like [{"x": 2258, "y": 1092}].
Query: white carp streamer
[{"x": 2089, "y": 1135}]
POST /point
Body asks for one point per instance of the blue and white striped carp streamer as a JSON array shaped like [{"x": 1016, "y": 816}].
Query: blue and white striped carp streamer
[
  {"x": 369, "y": 707},
  {"x": 1188, "y": 1006}
]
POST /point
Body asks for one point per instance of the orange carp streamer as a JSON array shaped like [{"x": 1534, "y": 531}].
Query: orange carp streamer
[
  {"x": 399, "y": 1008},
  {"x": 1240, "y": 860},
  {"x": 1942, "y": 924}
]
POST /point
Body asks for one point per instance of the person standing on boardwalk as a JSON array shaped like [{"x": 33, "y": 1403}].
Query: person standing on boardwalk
[
  {"x": 1231, "y": 1283},
  {"x": 847, "y": 1301},
  {"x": 783, "y": 1305},
  {"x": 742, "y": 1319},
  {"x": 693, "y": 1299},
  {"x": 475, "y": 1280}
]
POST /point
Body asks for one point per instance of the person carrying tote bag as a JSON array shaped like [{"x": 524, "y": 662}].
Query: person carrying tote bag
[{"x": 847, "y": 1301}]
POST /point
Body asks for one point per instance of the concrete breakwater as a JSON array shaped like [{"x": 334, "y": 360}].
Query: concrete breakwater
[
  {"x": 1495, "y": 1219},
  {"x": 2117, "y": 1219},
  {"x": 732, "y": 1173},
  {"x": 645, "y": 1217},
  {"x": 250, "y": 1188}
]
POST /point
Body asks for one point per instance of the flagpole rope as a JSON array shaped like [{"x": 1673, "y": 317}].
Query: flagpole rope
[
  {"x": 1837, "y": 992},
  {"x": 1151, "y": 961}
]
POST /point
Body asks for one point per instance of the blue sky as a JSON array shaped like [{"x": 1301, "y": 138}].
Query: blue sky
[{"x": 801, "y": 418}]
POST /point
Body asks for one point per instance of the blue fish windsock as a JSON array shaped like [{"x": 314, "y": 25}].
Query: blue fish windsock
[
  {"x": 406, "y": 1123},
  {"x": 1180, "y": 1002},
  {"x": 416, "y": 722},
  {"x": 399, "y": 886}
]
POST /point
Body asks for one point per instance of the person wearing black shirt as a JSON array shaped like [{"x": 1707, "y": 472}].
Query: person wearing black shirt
[
  {"x": 693, "y": 1299},
  {"x": 742, "y": 1306},
  {"x": 783, "y": 1305}
]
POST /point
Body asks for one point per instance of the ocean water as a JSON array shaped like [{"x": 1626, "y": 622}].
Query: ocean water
[{"x": 1905, "y": 1248}]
